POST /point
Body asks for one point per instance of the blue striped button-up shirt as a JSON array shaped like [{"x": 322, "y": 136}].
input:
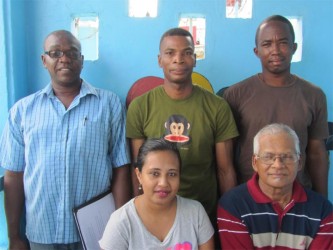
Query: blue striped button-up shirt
[{"x": 67, "y": 155}]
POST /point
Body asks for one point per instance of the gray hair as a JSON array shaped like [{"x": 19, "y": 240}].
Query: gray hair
[{"x": 274, "y": 129}]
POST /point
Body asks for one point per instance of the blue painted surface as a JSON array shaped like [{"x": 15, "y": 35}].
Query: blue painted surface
[
  {"x": 3, "y": 75},
  {"x": 3, "y": 112},
  {"x": 129, "y": 47}
]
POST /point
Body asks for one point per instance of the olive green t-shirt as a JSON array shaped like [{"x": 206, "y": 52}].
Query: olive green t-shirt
[{"x": 196, "y": 124}]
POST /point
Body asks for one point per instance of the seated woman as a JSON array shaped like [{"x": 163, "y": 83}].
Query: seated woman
[{"x": 158, "y": 218}]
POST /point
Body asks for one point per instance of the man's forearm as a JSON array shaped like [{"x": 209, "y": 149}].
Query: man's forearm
[
  {"x": 121, "y": 185},
  {"x": 14, "y": 202},
  {"x": 227, "y": 180},
  {"x": 318, "y": 170}
]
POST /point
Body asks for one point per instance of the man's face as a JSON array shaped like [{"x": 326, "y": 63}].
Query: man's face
[
  {"x": 64, "y": 71},
  {"x": 177, "y": 59},
  {"x": 275, "y": 47},
  {"x": 281, "y": 173}
]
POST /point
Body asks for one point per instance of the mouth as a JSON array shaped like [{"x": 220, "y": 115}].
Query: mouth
[
  {"x": 162, "y": 193},
  {"x": 276, "y": 61},
  {"x": 277, "y": 175},
  {"x": 179, "y": 71},
  {"x": 64, "y": 69}
]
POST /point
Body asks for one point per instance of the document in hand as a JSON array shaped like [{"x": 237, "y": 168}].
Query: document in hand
[{"x": 91, "y": 218}]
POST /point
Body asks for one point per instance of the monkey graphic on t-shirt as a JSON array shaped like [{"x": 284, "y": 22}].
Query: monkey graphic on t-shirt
[{"x": 177, "y": 129}]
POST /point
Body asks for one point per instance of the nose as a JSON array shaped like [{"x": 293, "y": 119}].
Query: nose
[
  {"x": 179, "y": 57},
  {"x": 65, "y": 57},
  {"x": 275, "y": 47},
  {"x": 163, "y": 181},
  {"x": 279, "y": 162}
]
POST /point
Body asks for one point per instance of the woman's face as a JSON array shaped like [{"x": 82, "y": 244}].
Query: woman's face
[{"x": 160, "y": 177}]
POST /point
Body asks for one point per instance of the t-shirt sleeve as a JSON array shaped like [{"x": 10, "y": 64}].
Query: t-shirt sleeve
[
  {"x": 225, "y": 122},
  {"x": 114, "y": 236},
  {"x": 134, "y": 123},
  {"x": 206, "y": 229},
  {"x": 319, "y": 128}
]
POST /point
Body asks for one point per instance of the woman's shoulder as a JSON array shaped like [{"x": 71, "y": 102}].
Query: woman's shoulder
[
  {"x": 188, "y": 204},
  {"x": 124, "y": 211}
]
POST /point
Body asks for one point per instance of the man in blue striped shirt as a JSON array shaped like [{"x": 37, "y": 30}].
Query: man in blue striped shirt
[{"x": 61, "y": 146}]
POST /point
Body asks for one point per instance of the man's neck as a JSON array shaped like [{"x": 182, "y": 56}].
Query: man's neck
[
  {"x": 66, "y": 94},
  {"x": 178, "y": 91},
  {"x": 277, "y": 80},
  {"x": 282, "y": 196}
]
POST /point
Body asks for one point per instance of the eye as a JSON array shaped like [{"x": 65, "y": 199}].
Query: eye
[
  {"x": 55, "y": 53},
  {"x": 290, "y": 157},
  {"x": 173, "y": 174},
  {"x": 267, "y": 157},
  {"x": 284, "y": 42},
  {"x": 189, "y": 53},
  {"x": 74, "y": 54},
  {"x": 154, "y": 173}
]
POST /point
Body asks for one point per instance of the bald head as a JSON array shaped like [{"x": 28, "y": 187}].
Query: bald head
[{"x": 63, "y": 35}]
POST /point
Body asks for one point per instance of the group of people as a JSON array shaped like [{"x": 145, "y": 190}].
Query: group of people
[{"x": 203, "y": 172}]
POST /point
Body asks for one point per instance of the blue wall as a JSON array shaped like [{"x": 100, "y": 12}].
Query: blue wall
[
  {"x": 3, "y": 76},
  {"x": 129, "y": 47}
]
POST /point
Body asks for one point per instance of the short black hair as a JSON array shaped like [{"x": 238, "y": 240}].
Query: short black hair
[
  {"x": 177, "y": 32},
  {"x": 278, "y": 18},
  {"x": 153, "y": 145}
]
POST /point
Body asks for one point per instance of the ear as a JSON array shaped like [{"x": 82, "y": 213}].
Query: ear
[
  {"x": 138, "y": 174},
  {"x": 294, "y": 48},
  {"x": 82, "y": 59},
  {"x": 300, "y": 165},
  {"x": 159, "y": 59},
  {"x": 195, "y": 60},
  {"x": 43, "y": 60},
  {"x": 255, "y": 50},
  {"x": 254, "y": 163}
]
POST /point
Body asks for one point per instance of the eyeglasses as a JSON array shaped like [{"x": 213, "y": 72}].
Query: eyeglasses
[
  {"x": 269, "y": 159},
  {"x": 72, "y": 54}
]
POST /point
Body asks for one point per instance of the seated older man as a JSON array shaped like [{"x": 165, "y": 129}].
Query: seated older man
[{"x": 272, "y": 210}]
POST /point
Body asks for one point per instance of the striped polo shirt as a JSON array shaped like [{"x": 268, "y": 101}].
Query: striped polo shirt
[{"x": 248, "y": 219}]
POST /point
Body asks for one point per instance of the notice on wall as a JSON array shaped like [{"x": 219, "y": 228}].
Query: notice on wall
[{"x": 239, "y": 9}]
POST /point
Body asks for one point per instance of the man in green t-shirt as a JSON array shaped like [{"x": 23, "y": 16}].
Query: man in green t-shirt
[{"x": 200, "y": 122}]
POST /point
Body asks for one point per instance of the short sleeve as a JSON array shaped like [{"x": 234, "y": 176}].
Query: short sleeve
[
  {"x": 226, "y": 125},
  {"x": 134, "y": 123},
  {"x": 114, "y": 236},
  {"x": 319, "y": 125},
  {"x": 206, "y": 230},
  {"x": 12, "y": 142}
]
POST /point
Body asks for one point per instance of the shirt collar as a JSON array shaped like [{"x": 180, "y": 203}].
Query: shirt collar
[
  {"x": 299, "y": 194},
  {"x": 86, "y": 89}
]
